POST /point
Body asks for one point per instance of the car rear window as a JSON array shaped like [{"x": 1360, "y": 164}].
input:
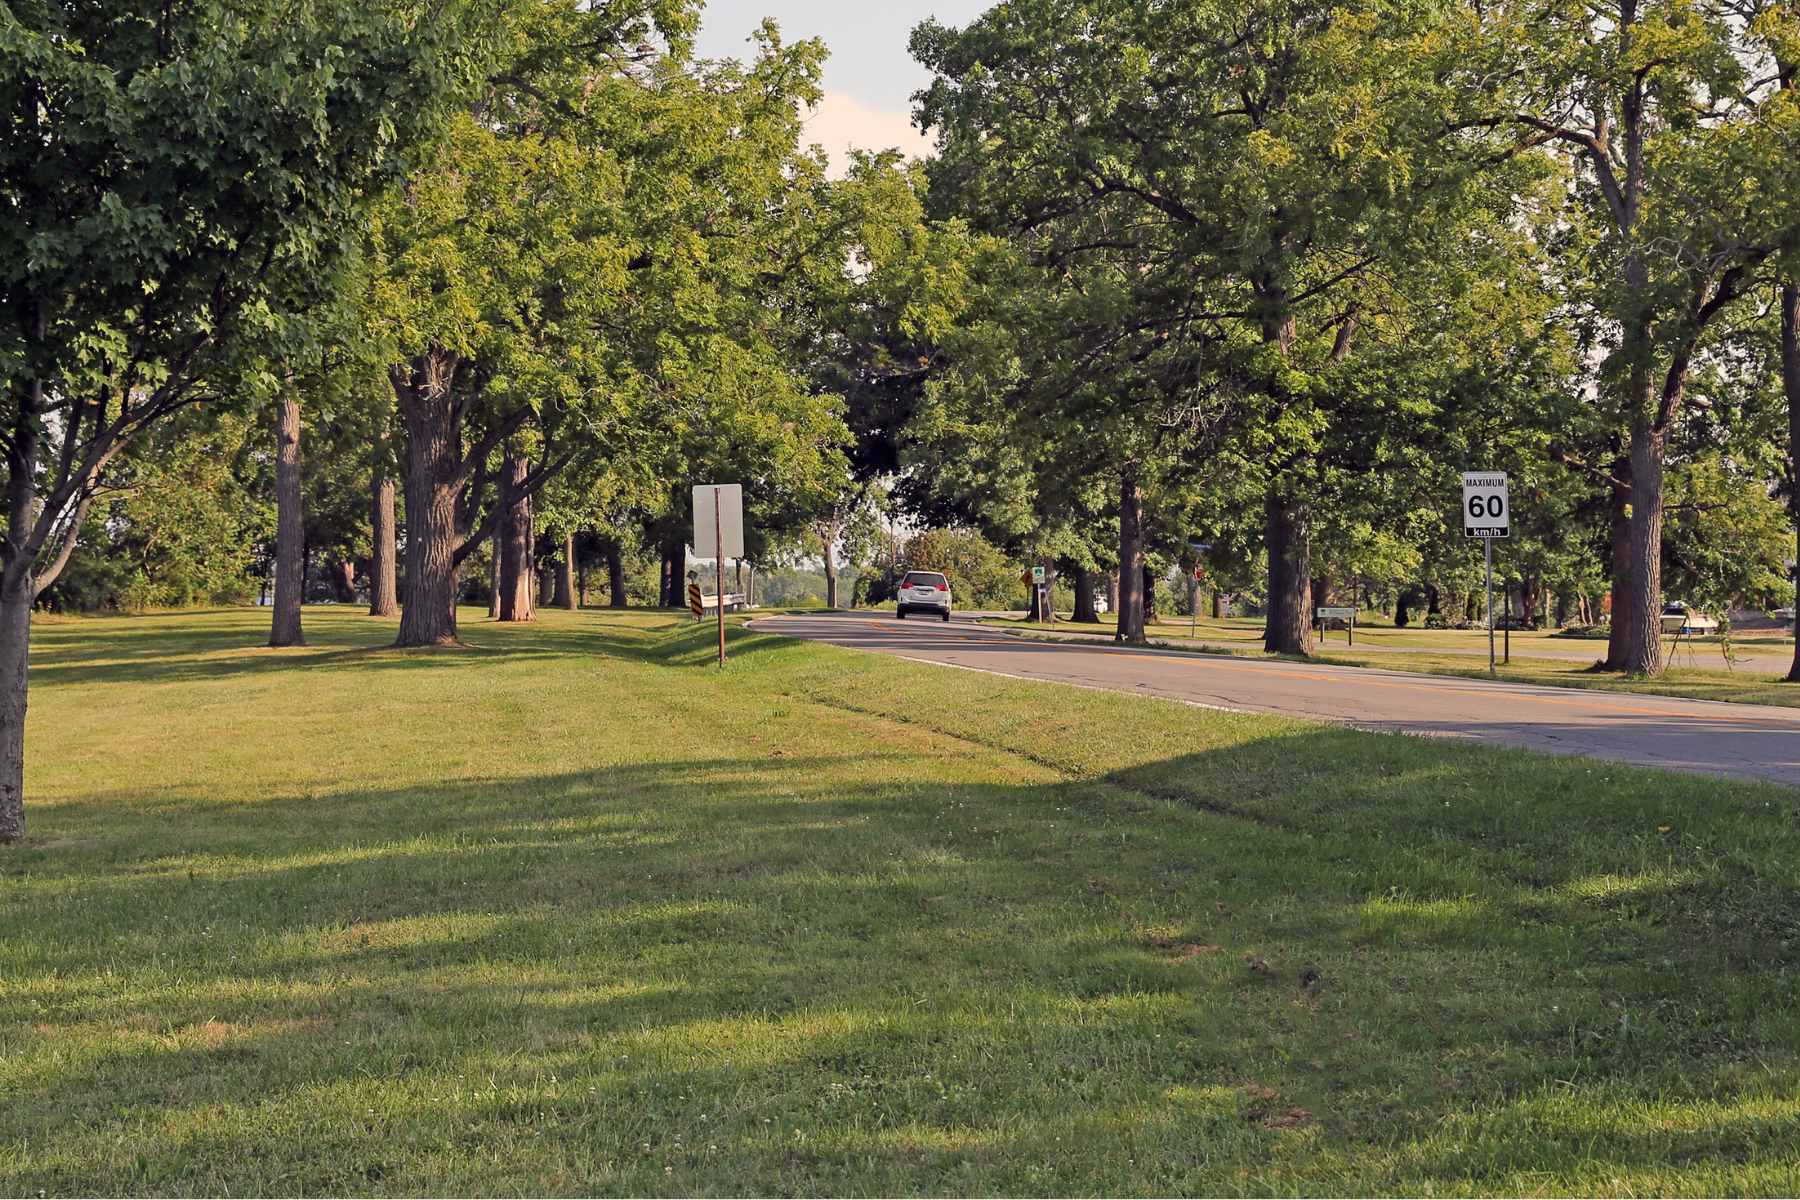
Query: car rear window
[{"x": 923, "y": 579}]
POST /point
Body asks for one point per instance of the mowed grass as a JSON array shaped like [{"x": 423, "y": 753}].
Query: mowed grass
[
  {"x": 1697, "y": 668},
  {"x": 572, "y": 911}
]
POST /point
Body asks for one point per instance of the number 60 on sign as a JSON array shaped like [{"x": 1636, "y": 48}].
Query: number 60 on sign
[{"x": 1487, "y": 509}]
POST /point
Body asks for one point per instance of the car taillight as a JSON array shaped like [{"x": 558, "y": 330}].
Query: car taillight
[{"x": 943, "y": 587}]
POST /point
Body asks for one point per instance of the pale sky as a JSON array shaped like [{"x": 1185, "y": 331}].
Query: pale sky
[{"x": 870, "y": 77}]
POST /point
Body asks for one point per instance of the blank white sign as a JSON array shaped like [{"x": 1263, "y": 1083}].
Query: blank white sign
[{"x": 729, "y": 524}]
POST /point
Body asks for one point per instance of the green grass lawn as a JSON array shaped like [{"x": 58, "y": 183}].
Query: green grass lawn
[
  {"x": 573, "y": 911},
  {"x": 1697, "y": 668}
]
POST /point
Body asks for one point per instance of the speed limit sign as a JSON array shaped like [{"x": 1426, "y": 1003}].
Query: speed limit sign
[{"x": 1487, "y": 509}]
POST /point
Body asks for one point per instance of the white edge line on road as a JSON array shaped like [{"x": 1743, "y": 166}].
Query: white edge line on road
[
  {"x": 1779, "y": 714},
  {"x": 1097, "y": 687},
  {"x": 1390, "y": 730},
  {"x": 1468, "y": 737}
]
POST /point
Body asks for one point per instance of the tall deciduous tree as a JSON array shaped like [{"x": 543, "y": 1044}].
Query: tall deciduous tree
[
  {"x": 1227, "y": 170},
  {"x": 167, "y": 176},
  {"x": 1666, "y": 111}
]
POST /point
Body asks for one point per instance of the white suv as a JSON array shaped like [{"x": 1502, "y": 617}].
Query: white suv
[{"x": 923, "y": 591}]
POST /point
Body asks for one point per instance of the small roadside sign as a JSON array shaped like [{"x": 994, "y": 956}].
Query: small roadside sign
[
  {"x": 1037, "y": 574},
  {"x": 1487, "y": 514},
  {"x": 718, "y": 535},
  {"x": 719, "y": 520},
  {"x": 1346, "y": 615},
  {"x": 694, "y": 600},
  {"x": 1487, "y": 506}
]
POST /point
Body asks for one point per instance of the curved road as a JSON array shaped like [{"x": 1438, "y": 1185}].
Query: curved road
[{"x": 1744, "y": 740}]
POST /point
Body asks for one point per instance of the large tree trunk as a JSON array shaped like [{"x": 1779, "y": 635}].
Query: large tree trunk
[
  {"x": 1086, "y": 612},
  {"x": 343, "y": 580},
  {"x": 16, "y": 588},
  {"x": 615, "y": 576},
  {"x": 17, "y": 591},
  {"x": 1149, "y": 595},
  {"x": 517, "y": 580},
  {"x": 290, "y": 524},
  {"x": 383, "y": 592},
  {"x": 828, "y": 539},
  {"x": 433, "y": 457},
  {"x": 1619, "y": 571},
  {"x": 1131, "y": 559},
  {"x": 1290, "y": 629},
  {"x": 565, "y": 575},
  {"x": 675, "y": 572},
  {"x": 1790, "y": 379},
  {"x": 1529, "y": 593},
  {"x": 1641, "y": 604},
  {"x": 1218, "y": 605}
]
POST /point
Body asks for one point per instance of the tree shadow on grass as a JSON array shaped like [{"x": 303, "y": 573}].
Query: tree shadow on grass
[
  {"x": 168, "y": 648},
  {"x": 1316, "y": 961},
  {"x": 183, "y": 647}
]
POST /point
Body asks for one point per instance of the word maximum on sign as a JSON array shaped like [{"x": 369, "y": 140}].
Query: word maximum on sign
[{"x": 1487, "y": 506}]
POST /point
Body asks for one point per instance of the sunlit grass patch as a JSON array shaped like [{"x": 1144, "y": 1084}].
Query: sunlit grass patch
[{"x": 574, "y": 911}]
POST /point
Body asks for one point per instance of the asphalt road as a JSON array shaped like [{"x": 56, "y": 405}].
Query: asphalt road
[{"x": 1744, "y": 740}]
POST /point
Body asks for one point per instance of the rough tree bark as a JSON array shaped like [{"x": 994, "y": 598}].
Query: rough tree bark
[
  {"x": 290, "y": 524},
  {"x": 343, "y": 580},
  {"x": 1642, "y": 599},
  {"x": 16, "y": 594},
  {"x": 20, "y": 583},
  {"x": 1290, "y": 628},
  {"x": 383, "y": 590},
  {"x": 1131, "y": 559},
  {"x": 565, "y": 575},
  {"x": 675, "y": 573},
  {"x": 615, "y": 576},
  {"x": 1086, "y": 611},
  {"x": 828, "y": 540},
  {"x": 433, "y": 478},
  {"x": 1149, "y": 595},
  {"x": 517, "y": 578},
  {"x": 1790, "y": 380},
  {"x": 17, "y": 591},
  {"x": 1218, "y": 605}
]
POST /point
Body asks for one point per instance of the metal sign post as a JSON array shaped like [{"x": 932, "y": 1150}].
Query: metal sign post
[
  {"x": 720, "y": 537},
  {"x": 1325, "y": 616},
  {"x": 719, "y": 569},
  {"x": 1489, "y": 543},
  {"x": 1487, "y": 514}
]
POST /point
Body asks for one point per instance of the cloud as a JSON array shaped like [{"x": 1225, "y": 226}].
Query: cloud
[{"x": 841, "y": 123}]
